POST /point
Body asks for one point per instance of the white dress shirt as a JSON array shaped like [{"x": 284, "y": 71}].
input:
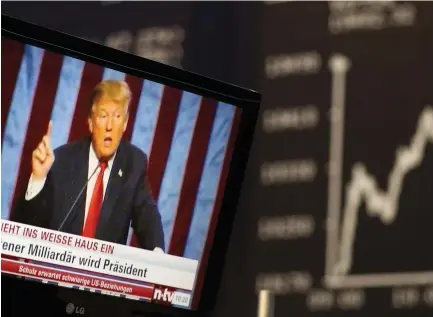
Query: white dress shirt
[{"x": 34, "y": 187}]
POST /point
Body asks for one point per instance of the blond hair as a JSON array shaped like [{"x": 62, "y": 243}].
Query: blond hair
[{"x": 115, "y": 90}]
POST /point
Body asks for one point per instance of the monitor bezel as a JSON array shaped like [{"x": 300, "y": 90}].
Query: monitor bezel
[{"x": 247, "y": 100}]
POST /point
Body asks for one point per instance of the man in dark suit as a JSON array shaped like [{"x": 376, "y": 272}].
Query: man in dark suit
[{"x": 116, "y": 194}]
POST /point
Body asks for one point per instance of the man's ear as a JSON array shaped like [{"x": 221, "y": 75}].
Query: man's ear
[
  {"x": 90, "y": 124},
  {"x": 126, "y": 123}
]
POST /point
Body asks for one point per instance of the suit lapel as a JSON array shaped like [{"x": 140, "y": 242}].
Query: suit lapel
[
  {"x": 114, "y": 186},
  {"x": 78, "y": 178}
]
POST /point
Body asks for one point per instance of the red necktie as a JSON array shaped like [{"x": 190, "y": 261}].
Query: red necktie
[{"x": 95, "y": 204}]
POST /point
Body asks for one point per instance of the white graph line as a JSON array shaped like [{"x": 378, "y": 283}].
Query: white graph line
[
  {"x": 383, "y": 204},
  {"x": 363, "y": 187},
  {"x": 339, "y": 66}
]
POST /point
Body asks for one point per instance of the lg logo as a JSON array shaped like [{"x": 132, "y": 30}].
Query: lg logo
[{"x": 72, "y": 309}]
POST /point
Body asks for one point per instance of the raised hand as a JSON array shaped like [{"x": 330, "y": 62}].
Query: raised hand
[{"x": 43, "y": 156}]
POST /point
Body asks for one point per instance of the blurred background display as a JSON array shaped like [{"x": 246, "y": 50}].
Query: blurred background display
[{"x": 336, "y": 216}]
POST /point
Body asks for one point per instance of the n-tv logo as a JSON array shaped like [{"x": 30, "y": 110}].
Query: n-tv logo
[{"x": 163, "y": 295}]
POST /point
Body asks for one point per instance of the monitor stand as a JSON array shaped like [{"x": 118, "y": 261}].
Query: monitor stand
[{"x": 266, "y": 304}]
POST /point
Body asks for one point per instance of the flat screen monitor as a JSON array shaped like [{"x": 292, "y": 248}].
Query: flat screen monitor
[{"x": 119, "y": 178}]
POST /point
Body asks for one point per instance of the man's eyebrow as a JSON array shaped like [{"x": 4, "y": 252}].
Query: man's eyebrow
[{"x": 100, "y": 110}]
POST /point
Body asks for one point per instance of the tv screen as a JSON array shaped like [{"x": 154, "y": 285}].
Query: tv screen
[{"x": 111, "y": 183}]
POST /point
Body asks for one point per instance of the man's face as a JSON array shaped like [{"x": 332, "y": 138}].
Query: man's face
[{"x": 107, "y": 123}]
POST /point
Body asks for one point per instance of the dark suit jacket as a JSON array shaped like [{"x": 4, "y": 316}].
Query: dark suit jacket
[{"x": 127, "y": 198}]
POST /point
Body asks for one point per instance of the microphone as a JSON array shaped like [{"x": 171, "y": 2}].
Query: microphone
[{"x": 76, "y": 200}]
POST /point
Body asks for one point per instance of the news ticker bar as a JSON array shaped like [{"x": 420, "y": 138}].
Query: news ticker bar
[
  {"x": 78, "y": 279},
  {"x": 151, "y": 293},
  {"x": 76, "y": 252}
]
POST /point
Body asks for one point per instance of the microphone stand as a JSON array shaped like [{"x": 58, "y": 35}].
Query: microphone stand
[{"x": 76, "y": 200}]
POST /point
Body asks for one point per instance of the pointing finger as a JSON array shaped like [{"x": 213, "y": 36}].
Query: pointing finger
[
  {"x": 39, "y": 155},
  {"x": 50, "y": 126},
  {"x": 41, "y": 148},
  {"x": 47, "y": 145}
]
